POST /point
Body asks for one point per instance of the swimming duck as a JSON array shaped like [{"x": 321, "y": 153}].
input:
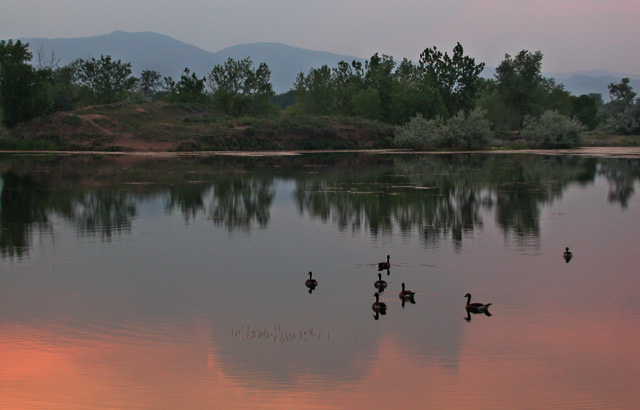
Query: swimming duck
[
  {"x": 377, "y": 306},
  {"x": 405, "y": 293},
  {"x": 385, "y": 265},
  {"x": 476, "y": 307},
  {"x": 311, "y": 283},
  {"x": 380, "y": 284},
  {"x": 567, "y": 255}
]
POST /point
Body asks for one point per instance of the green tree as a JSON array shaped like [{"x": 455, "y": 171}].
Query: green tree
[
  {"x": 379, "y": 76},
  {"x": 456, "y": 77},
  {"x": 413, "y": 93},
  {"x": 189, "y": 89},
  {"x": 65, "y": 91},
  {"x": 107, "y": 80},
  {"x": 622, "y": 113},
  {"x": 520, "y": 85},
  {"x": 585, "y": 109},
  {"x": 240, "y": 89},
  {"x": 316, "y": 92},
  {"x": 149, "y": 82},
  {"x": 24, "y": 91}
]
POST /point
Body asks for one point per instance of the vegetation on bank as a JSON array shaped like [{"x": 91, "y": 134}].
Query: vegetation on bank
[{"x": 441, "y": 102}]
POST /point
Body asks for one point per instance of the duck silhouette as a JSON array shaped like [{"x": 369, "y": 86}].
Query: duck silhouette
[
  {"x": 405, "y": 293},
  {"x": 379, "y": 307},
  {"x": 380, "y": 284},
  {"x": 475, "y": 307},
  {"x": 567, "y": 255},
  {"x": 311, "y": 283},
  {"x": 385, "y": 265}
]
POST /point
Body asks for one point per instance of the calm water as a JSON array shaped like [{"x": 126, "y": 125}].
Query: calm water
[{"x": 179, "y": 283}]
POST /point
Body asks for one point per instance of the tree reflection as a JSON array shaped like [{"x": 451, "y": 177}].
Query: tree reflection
[
  {"x": 239, "y": 200},
  {"x": 441, "y": 197},
  {"x": 621, "y": 174},
  {"x": 445, "y": 196},
  {"x": 23, "y": 209},
  {"x": 103, "y": 212}
]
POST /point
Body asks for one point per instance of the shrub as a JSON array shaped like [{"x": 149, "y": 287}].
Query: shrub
[
  {"x": 625, "y": 121},
  {"x": 553, "y": 130},
  {"x": 468, "y": 132}
]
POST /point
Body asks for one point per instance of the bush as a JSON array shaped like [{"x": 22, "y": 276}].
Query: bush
[
  {"x": 625, "y": 121},
  {"x": 468, "y": 132},
  {"x": 553, "y": 130}
]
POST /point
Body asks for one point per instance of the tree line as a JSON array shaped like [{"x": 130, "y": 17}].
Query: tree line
[{"x": 440, "y": 101}]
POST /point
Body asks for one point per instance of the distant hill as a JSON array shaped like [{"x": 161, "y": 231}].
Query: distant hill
[{"x": 168, "y": 56}]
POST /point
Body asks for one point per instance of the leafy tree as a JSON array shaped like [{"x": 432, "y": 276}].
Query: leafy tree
[
  {"x": 520, "y": 85},
  {"x": 65, "y": 92},
  {"x": 189, "y": 89},
  {"x": 457, "y": 77},
  {"x": 348, "y": 80},
  {"x": 622, "y": 113},
  {"x": 315, "y": 92},
  {"x": 585, "y": 109},
  {"x": 240, "y": 89},
  {"x": 107, "y": 80},
  {"x": 149, "y": 82},
  {"x": 379, "y": 77},
  {"x": 622, "y": 92},
  {"x": 413, "y": 93},
  {"x": 24, "y": 91}
]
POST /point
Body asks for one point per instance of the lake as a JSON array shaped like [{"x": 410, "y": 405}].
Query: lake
[{"x": 142, "y": 282}]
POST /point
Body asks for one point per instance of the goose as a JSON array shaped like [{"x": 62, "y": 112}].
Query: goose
[
  {"x": 567, "y": 255},
  {"x": 380, "y": 284},
  {"x": 405, "y": 293},
  {"x": 476, "y": 307},
  {"x": 377, "y": 306},
  {"x": 385, "y": 265},
  {"x": 311, "y": 283}
]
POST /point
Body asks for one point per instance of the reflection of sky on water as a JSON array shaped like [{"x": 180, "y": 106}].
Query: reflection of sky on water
[{"x": 157, "y": 316}]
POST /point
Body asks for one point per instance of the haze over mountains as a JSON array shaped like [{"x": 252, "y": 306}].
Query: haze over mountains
[{"x": 168, "y": 56}]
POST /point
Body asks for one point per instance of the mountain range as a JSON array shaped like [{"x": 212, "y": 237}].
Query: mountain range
[{"x": 168, "y": 56}]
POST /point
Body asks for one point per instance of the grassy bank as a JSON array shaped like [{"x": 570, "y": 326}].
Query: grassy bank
[
  {"x": 160, "y": 126},
  {"x": 188, "y": 127}
]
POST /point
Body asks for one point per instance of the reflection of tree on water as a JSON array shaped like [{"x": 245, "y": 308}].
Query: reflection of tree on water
[
  {"x": 443, "y": 196},
  {"x": 23, "y": 209},
  {"x": 241, "y": 199},
  {"x": 621, "y": 174},
  {"x": 103, "y": 212}
]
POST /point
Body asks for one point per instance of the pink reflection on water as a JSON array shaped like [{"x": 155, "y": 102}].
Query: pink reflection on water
[{"x": 505, "y": 361}]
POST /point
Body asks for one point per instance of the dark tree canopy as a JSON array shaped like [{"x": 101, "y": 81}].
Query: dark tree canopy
[
  {"x": 106, "y": 79},
  {"x": 24, "y": 91},
  {"x": 457, "y": 77}
]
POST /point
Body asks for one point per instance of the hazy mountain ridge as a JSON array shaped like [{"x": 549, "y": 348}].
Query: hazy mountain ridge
[{"x": 168, "y": 56}]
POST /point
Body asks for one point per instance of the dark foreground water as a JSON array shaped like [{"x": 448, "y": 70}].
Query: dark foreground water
[{"x": 179, "y": 283}]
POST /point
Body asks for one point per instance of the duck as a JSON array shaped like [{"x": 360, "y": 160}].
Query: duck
[
  {"x": 377, "y": 306},
  {"x": 380, "y": 284},
  {"x": 476, "y": 307},
  {"x": 385, "y": 265},
  {"x": 311, "y": 283},
  {"x": 567, "y": 255},
  {"x": 405, "y": 293}
]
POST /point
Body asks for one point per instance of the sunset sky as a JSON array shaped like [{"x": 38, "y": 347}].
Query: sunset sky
[{"x": 573, "y": 35}]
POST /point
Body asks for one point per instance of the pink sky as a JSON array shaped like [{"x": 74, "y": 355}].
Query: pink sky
[{"x": 573, "y": 35}]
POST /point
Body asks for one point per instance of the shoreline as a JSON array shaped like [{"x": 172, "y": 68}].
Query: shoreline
[{"x": 610, "y": 152}]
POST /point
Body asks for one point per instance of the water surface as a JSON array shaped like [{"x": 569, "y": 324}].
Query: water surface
[{"x": 167, "y": 283}]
